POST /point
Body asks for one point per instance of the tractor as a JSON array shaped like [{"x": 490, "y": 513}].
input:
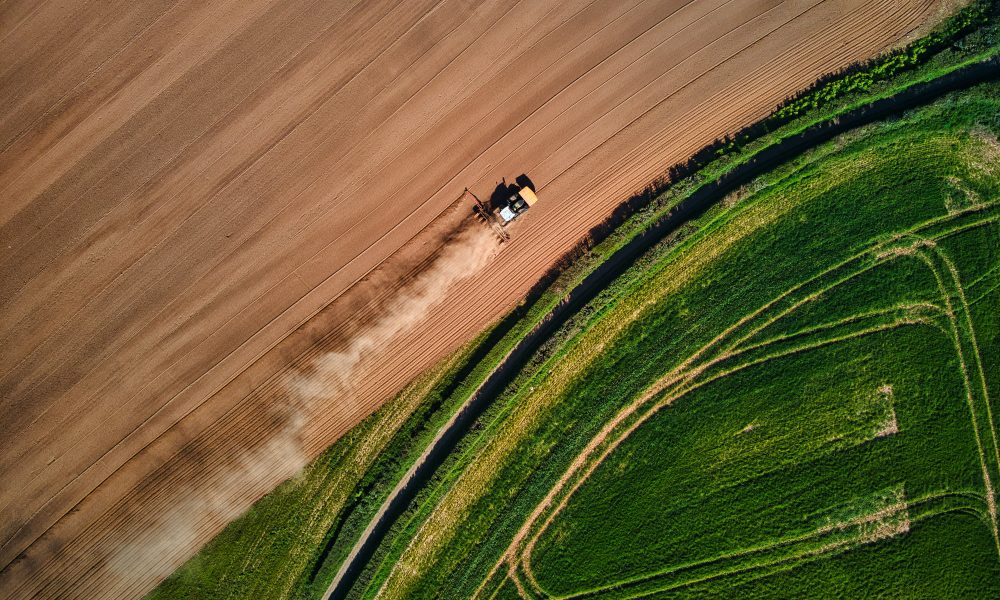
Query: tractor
[{"x": 499, "y": 214}]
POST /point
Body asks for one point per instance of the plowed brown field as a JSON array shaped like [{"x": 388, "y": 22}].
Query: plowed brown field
[{"x": 190, "y": 193}]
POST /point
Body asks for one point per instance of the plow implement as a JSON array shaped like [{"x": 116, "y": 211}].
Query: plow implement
[{"x": 487, "y": 216}]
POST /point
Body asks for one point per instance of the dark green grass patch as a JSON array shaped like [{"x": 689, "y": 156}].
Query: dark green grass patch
[{"x": 948, "y": 556}]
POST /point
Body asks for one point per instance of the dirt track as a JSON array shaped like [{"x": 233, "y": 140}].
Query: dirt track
[{"x": 186, "y": 187}]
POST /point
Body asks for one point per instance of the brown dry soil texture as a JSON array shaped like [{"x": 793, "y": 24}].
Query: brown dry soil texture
[{"x": 199, "y": 201}]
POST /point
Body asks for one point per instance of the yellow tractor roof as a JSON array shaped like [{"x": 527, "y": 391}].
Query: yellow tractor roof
[{"x": 528, "y": 195}]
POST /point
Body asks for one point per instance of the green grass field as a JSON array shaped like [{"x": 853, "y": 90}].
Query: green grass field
[
  {"x": 781, "y": 399},
  {"x": 843, "y": 405}
]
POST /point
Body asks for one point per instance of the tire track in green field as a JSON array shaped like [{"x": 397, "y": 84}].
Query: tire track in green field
[
  {"x": 687, "y": 370},
  {"x": 765, "y": 344},
  {"x": 686, "y": 389},
  {"x": 962, "y": 331},
  {"x": 718, "y": 359}
]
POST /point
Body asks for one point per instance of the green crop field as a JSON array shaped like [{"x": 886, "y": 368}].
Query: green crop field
[
  {"x": 820, "y": 388},
  {"x": 792, "y": 395}
]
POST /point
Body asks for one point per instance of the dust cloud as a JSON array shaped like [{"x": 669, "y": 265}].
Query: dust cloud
[
  {"x": 332, "y": 375},
  {"x": 228, "y": 491}
]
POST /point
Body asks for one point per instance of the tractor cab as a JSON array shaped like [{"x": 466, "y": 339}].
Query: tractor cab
[{"x": 518, "y": 203}]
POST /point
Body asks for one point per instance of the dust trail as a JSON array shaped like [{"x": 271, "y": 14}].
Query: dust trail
[
  {"x": 163, "y": 542},
  {"x": 332, "y": 376}
]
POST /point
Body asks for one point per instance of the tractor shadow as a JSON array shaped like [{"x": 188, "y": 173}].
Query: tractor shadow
[
  {"x": 503, "y": 191},
  {"x": 500, "y": 195},
  {"x": 525, "y": 181}
]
